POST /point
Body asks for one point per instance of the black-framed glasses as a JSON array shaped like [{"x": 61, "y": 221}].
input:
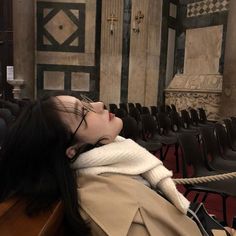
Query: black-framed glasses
[{"x": 86, "y": 107}]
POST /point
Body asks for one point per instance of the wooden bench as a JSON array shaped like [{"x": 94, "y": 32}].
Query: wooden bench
[{"x": 14, "y": 221}]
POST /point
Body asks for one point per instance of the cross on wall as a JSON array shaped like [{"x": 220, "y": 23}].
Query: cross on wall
[{"x": 112, "y": 19}]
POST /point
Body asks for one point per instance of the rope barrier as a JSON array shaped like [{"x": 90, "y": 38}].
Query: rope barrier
[{"x": 205, "y": 179}]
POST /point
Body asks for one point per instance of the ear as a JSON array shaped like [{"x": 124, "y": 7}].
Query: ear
[{"x": 71, "y": 151}]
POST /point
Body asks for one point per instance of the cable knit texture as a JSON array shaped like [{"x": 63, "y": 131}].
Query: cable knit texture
[{"x": 124, "y": 156}]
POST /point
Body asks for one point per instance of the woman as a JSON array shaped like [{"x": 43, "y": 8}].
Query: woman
[{"x": 65, "y": 148}]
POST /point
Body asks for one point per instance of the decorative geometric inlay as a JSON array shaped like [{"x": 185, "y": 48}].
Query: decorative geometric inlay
[
  {"x": 207, "y": 7},
  {"x": 61, "y": 26}
]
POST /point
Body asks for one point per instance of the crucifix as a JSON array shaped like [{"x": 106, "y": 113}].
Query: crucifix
[
  {"x": 139, "y": 17},
  {"x": 137, "y": 20},
  {"x": 112, "y": 19}
]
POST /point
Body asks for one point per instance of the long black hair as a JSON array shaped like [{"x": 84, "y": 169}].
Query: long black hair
[{"x": 33, "y": 163}]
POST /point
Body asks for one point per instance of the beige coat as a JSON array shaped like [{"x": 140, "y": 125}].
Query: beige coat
[{"x": 118, "y": 205}]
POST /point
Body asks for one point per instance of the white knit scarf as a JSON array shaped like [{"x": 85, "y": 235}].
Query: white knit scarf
[{"x": 124, "y": 156}]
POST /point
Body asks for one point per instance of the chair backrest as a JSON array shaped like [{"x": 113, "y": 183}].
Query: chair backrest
[
  {"x": 164, "y": 122},
  {"x": 145, "y": 110},
  {"x": 124, "y": 106},
  {"x": 120, "y": 112},
  {"x": 149, "y": 125},
  {"x": 233, "y": 124},
  {"x": 154, "y": 110},
  {"x": 139, "y": 106},
  {"x": 221, "y": 136},
  {"x": 194, "y": 116},
  {"x": 6, "y": 114},
  {"x": 229, "y": 129},
  {"x": 130, "y": 128},
  {"x": 173, "y": 107},
  {"x": 186, "y": 117},
  {"x": 131, "y": 105},
  {"x": 135, "y": 113},
  {"x": 168, "y": 109},
  {"x": 112, "y": 107},
  {"x": 192, "y": 153},
  {"x": 176, "y": 120},
  {"x": 3, "y": 130},
  {"x": 165, "y": 108},
  {"x": 202, "y": 115},
  {"x": 12, "y": 106},
  {"x": 210, "y": 142}
]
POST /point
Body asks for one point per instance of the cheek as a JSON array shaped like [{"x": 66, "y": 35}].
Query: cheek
[{"x": 100, "y": 127}]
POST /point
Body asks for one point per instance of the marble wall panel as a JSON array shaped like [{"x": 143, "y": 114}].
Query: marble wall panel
[
  {"x": 145, "y": 53},
  {"x": 203, "y": 50},
  {"x": 66, "y": 44},
  {"x": 111, "y": 51},
  {"x": 170, "y": 55},
  {"x": 211, "y": 83},
  {"x": 153, "y": 52},
  {"x": 80, "y": 81},
  {"x": 229, "y": 84},
  {"x": 53, "y": 80}
]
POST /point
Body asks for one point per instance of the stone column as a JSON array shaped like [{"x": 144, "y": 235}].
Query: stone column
[
  {"x": 228, "y": 100},
  {"x": 24, "y": 45}
]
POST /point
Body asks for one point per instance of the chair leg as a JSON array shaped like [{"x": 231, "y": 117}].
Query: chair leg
[
  {"x": 161, "y": 154},
  {"x": 166, "y": 151},
  {"x": 224, "y": 198},
  {"x": 196, "y": 197},
  {"x": 187, "y": 192},
  {"x": 204, "y": 197},
  {"x": 234, "y": 222},
  {"x": 177, "y": 157}
]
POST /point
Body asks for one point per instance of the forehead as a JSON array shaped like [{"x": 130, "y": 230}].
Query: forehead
[
  {"x": 69, "y": 100},
  {"x": 69, "y": 103}
]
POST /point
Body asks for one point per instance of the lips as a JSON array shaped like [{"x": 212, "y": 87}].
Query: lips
[{"x": 111, "y": 116}]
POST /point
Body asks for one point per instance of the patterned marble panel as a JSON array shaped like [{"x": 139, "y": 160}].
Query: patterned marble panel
[
  {"x": 80, "y": 81},
  {"x": 53, "y": 80},
  {"x": 61, "y": 26},
  {"x": 203, "y": 50},
  {"x": 207, "y": 7},
  {"x": 64, "y": 59}
]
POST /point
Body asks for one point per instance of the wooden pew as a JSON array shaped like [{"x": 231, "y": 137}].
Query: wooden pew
[{"x": 14, "y": 221}]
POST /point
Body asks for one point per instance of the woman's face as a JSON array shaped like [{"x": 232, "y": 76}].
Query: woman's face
[{"x": 95, "y": 122}]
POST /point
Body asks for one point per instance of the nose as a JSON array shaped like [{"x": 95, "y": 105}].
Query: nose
[{"x": 98, "y": 106}]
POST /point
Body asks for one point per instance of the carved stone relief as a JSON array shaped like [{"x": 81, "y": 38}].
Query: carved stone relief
[{"x": 208, "y": 101}]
